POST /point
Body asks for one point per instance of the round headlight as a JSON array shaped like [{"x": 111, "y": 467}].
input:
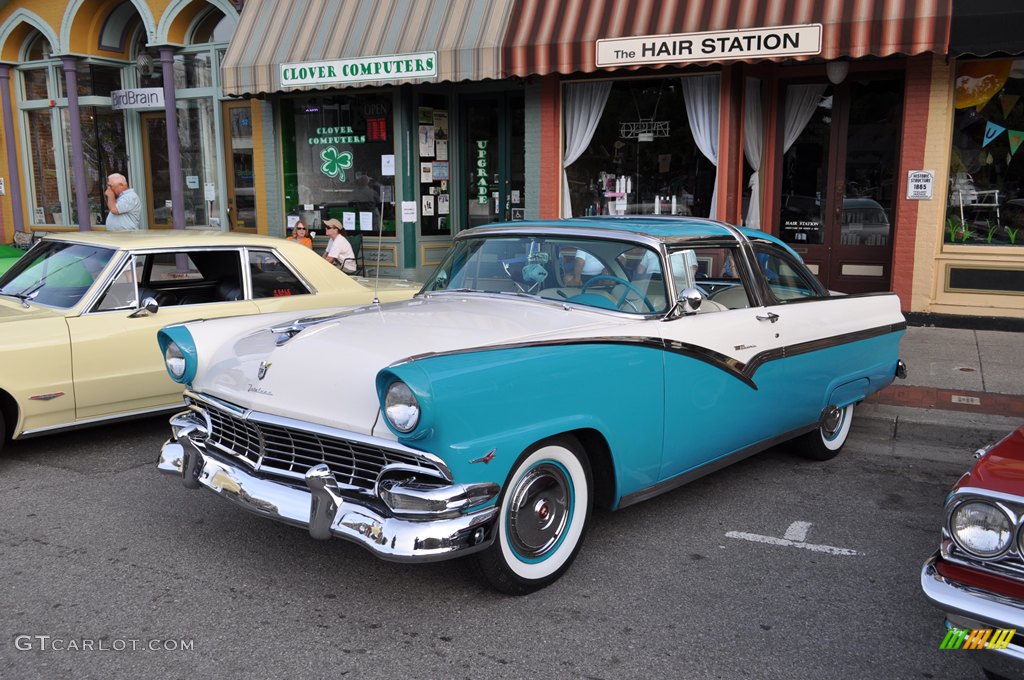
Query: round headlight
[
  {"x": 175, "y": 361},
  {"x": 401, "y": 407},
  {"x": 981, "y": 528}
]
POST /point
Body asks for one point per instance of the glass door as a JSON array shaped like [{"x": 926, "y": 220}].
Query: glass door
[
  {"x": 493, "y": 132},
  {"x": 838, "y": 179},
  {"x": 241, "y": 189},
  {"x": 158, "y": 173}
]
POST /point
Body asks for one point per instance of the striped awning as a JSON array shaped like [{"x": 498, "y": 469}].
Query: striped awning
[
  {"x": 465, "y": 34},
  {"x": 985, "y": 27},
  {"x": 560, "y": 37}
]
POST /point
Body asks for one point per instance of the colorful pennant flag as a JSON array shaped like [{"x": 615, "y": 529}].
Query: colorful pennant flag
[
  {"x": 1008, "y": 101},
  {"x": 991, "y": 132},
  {"x": 1016, "y": 137}
]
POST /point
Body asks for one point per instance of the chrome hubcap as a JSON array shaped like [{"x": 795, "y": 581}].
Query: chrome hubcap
[
  {"x": 539, "y": 510},
  {"x": 830, "y": 423}
]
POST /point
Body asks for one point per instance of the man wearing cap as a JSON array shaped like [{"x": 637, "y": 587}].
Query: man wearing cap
[{"x": 339, "y": 251}]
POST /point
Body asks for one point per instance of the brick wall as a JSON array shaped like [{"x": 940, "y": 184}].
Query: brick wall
[{"x": 551, "y": 177}]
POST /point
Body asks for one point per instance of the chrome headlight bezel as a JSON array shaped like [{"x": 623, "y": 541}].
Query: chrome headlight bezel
[
  {"x": 999, "y": 519},
  {"x": 401, "y": 408},
  {"x": 174, "y": 360}
]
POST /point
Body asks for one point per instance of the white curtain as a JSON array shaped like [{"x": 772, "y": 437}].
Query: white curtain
[
  {"x": 584, "y": 104},
  {"x": 801, "y": 100},
  {"x": 701, "y": 96},
  {"x": 753, "y": 147}
]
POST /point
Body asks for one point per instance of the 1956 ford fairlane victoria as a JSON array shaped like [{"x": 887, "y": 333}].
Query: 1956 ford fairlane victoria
[{"x": 544, "y": 368}]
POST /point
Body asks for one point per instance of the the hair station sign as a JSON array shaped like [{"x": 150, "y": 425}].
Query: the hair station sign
[
  {"x": 342, "y": 72},
  {"x": 760, "y": 43}
]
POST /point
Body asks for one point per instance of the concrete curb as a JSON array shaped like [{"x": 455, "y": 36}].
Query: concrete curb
[{"x": 931, "y": 426}]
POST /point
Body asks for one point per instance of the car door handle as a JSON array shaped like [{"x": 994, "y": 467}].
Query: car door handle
[{"x": 770, "y": 316}]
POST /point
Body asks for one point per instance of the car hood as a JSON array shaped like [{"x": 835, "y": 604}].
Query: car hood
[
  {"x": 1002, "y": 469},
  {"x": 326, "y": 373},
  {"x": 12, "y": 310}
]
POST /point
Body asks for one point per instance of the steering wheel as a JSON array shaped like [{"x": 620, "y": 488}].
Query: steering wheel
[{"x": 630, "y": 288}]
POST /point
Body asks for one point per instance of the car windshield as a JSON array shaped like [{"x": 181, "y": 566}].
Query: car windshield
[
  {"x": 55, "y": 274},
  {"x": 607, "y": 274}
]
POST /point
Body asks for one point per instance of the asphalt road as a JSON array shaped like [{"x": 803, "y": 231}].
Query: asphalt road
[{"x": 97, "y": 548}]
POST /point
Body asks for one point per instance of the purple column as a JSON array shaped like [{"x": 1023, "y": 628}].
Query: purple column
[
  {"x": 13, "y": 176},
  {"x": 70, "y": 65},
  {"x": 173, "y": 147}
]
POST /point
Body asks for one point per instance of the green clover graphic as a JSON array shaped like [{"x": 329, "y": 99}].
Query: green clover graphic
[{"x": 335, "y": 163}]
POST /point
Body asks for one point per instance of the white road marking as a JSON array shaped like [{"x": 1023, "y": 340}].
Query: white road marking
[
  {"x": 797, "y": 531},
  {"x": 795, "y": 535}
]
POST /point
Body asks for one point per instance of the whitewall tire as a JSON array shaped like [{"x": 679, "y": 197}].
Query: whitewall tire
[
  {"x": 545, "y": 510},
  {"x": 828, "y": 439}
]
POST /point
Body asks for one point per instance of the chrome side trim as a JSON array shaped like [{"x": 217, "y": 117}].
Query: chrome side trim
[
  {"x": 734, "y": 367},
  {"x": 706, "y": 469},
  {"x": 99, "y": 420}
]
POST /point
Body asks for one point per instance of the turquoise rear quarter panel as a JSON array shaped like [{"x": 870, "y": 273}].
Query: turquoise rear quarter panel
[{"x": 509, "y": 399}]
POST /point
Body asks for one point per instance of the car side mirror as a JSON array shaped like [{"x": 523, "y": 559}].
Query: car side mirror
[
  {"x": 149, "y": 307},
  {"x": 690, "y": 300}
]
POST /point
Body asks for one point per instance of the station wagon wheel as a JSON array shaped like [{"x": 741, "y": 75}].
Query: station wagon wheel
[
  {"x": 545, "y": 509},
  {"x": 827, "y": 440}
]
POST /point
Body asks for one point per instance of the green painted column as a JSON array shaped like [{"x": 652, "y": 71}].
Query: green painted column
[{"x": 407, "y": 128}]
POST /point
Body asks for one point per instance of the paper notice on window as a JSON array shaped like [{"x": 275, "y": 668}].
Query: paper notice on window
[
  {"x": 387, "y": 165},
  {"x": 426, "y": 137},
  {"x": 348, "y": 220},
  {"x": 428, "y": 205},
  {"x": 442, "y": 204},
  {"x": 292, "y": 221},
  {"x": 426, "y": 173},
  {"x": 441, "y": 149},
  {"x": 408, "y": 211},
  {"x": 365, "y": 221}
]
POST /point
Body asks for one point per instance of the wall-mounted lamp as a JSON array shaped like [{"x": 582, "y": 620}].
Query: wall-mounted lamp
[
  {"x": 837, "y": 71},
  {"x": 144, "y": 63}
]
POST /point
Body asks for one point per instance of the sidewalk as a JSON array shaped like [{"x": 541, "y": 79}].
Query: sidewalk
[{"x": 963, "y": 388}]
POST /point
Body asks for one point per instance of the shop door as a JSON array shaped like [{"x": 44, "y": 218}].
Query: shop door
[
  {"x": 839, "y": 181},
  {"x": 158, "y": 173},
  {"x": 238, "y": 151},
  {"x": 493, "y": 138}
]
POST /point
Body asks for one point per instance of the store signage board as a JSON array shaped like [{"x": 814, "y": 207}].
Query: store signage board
[
  {"x": 140, "y": 98},
  {"x": 417, "y": 66},
  {"x": 767, "y": 42},
  {"x": 920, "y": 184}
]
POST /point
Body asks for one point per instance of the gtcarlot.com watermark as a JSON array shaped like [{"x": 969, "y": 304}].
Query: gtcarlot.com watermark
[{"x": 53, "y": 643}]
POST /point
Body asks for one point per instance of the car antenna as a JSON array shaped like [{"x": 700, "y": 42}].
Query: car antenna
[{"x": 380, "y": 239}]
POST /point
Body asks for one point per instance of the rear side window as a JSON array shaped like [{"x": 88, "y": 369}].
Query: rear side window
[
  {"x": 787, "y": 277},
  {"x": 271, "y": 278}
]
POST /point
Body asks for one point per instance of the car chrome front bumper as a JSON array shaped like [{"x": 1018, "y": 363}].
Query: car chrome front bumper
[
  {"x": 968, "y": 606},
  {"x": 323, "y": 510}
]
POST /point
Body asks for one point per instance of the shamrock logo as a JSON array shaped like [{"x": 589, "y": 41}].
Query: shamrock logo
[{"x": 335, "y": 162}]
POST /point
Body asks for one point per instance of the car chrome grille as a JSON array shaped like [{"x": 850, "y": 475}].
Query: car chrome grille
[{"x": 291, "y": 452}]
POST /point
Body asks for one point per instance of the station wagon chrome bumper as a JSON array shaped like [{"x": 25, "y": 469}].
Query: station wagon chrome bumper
[{"x": 327, "y": 511}]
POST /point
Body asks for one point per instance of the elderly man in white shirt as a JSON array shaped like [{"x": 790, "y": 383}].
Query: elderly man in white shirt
[{"x": 123, "y": 204}]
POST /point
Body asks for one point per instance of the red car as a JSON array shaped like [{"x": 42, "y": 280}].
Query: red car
[{"x": 977, "y": 575}]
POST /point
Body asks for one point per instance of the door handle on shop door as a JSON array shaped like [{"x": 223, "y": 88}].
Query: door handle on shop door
[{"x": 770, "y": 316}]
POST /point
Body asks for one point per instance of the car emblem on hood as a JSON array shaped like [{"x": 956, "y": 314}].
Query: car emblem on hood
[{"x": 264, "y": 365}]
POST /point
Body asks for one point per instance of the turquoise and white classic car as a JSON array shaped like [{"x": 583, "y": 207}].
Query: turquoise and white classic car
[{"x": 545, "y": 368}]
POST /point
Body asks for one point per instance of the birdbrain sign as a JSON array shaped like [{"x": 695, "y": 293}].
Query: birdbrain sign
[{"x": 774, "y": 41}]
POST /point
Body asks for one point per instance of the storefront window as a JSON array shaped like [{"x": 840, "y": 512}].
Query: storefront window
[
  {"x": 35, "y": 83},
  {"x": 333, "y": 152},
  {"x": 986, "y": 188},
  {"x": 805, "y": 165},
  {"x": 46, "y": 207},
  {"x": 435, "y": 189},
  {"x": 103, "y": 146},
  {"x": 642, "y": 158},
  {"x": 97, "y": 80}
]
